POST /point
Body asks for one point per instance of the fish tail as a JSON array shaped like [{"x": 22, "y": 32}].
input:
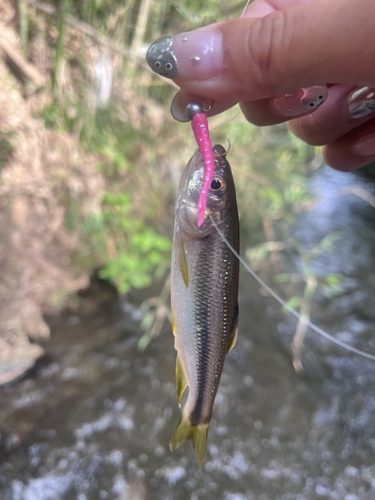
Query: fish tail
[{"x": 198, "y": 435}]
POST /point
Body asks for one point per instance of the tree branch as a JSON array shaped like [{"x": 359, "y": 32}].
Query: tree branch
[{"x": 18, "y": 64}]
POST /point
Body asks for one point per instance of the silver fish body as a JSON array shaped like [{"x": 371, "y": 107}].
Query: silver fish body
[{"x": 204, "y": 293}]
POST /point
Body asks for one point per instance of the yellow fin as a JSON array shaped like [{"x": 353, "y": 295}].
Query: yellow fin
[
  {"x": 182, "y": 264},
  {"x": 197, "y": 433},
  {"x": 173, "y": 324},
  {"x": 233, "y": 337},
  {"x": 181, "y": 382}
]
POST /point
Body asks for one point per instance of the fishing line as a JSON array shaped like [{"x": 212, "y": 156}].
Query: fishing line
[
  {"x": 286, "y": 306},
  {"x": 226, "y": 122},
  {"x": 244, "y": 9}
]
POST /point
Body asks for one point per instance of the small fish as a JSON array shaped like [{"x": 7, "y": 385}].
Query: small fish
[{"x": 204, "y": 293}]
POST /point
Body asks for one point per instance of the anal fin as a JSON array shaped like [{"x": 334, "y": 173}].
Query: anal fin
[
  {"x": 181, "y": 382},
  {"x": 233, "y": 336}
]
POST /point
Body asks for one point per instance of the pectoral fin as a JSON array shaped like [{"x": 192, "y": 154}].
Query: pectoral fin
[
  {"x": 182, "y": 264},
  {"x": 233, "y": 337},
  {"x": 181, "y": 382}
]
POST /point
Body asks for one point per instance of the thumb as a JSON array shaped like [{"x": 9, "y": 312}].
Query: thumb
[{"x": 327, "y": 41}]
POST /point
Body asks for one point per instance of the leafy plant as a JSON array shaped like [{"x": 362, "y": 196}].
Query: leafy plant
[{"x": 134, "y": 250}]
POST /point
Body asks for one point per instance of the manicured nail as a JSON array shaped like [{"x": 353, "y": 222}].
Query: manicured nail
[
  {"x": 161, "y": 59},
  {"x": 301, "y": 101},
  {"x": 198, "y": 53},
  {"x": 361, "y": 103},
  {"x": 178, "y": 107},
  {"x": 365, "y": 146}
]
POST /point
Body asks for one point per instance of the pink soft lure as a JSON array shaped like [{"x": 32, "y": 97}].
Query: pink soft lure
[{"x": 199, "y": 124}]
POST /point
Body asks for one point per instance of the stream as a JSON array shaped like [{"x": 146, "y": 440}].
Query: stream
[{"x": 93, "y": 419}]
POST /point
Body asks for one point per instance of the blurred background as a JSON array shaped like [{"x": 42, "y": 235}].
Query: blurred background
[{"x": 90, "y": 160}]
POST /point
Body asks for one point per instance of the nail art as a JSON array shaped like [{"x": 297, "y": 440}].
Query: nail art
[
  {"x": 195, "y": 54},
  {"x": 302, "y": 100},
  {"x": 161, "y": 59},
  {"x": 313, "y": 97},
  {"x": 361, "y": 103}
]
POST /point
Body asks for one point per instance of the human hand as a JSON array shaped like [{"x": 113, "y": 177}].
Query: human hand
[{"x": 264, "y": 59}]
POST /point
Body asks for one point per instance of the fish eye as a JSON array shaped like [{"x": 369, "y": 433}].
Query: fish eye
[
  {"x": 217, "y": 184},
  {"x": 158, "y": 64},
  {"x": 168, "y": 66}
]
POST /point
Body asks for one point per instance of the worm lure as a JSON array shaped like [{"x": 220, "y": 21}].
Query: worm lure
[{"x": 199, "y": 125}]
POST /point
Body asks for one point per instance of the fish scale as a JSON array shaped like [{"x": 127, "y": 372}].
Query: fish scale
[{"x": 204, "y": 292}]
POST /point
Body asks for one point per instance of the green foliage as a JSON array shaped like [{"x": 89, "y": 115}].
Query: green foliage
[
  {"x": 138, "y": 248},
  {"x": 293, "y": 302},
  {"x": 285, "y": 191},
  {"x": 271, "y": 168},
  {"x": 195, "y": 13},
  {"x": 99, "y": 12},
  {"x": 72, "y": 214},
  {"x": 258, "y": 253},
  {"x": 116, "y": 141},
  {"x": 60, "y": 116},
  {"x": 123, "y": 241},
  {"x": 313, "y": 281}
]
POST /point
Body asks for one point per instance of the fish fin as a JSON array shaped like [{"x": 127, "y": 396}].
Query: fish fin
[
  {"x": 233, "y": 337},
  {"x": 173, "y": 324},
  {"x": 182, "y": 264},
  {"x": 181, "y": 382},
  {"x": 197, "y": 433},
  {"x": 199, "y": 439}
]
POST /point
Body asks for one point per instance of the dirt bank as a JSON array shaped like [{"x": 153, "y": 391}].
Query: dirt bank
[{"x": 44, "y": 180}]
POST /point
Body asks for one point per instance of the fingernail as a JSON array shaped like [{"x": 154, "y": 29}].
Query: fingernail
[
  {"x": 361, "y": 103},
  {"x": 196, "y": 53},
  {"x": 161, "y": 59},
  {"x": 299, "y": 102},
  {"x": 178, "y": 109},
  {"x": 365, "y": 146}
]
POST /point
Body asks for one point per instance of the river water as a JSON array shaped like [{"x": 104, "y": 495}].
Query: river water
[{"x": 94, "y": 418}]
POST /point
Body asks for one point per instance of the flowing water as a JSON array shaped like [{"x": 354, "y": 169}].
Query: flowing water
[{"x": 94, "y": 419}]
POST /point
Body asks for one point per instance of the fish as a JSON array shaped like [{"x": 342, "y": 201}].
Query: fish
[{"x": 204, "y": 293}]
